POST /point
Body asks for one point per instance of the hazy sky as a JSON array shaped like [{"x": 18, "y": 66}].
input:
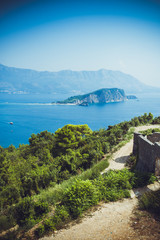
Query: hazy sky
[{"x": 82, "y": 35}]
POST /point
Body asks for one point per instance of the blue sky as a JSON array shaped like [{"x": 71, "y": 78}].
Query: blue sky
[{"x": 82, "y": 35}]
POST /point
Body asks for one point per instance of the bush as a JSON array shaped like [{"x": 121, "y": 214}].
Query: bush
[
  {"x": 131, "y": 162},
  {"x": 150, "y": 201},
  {"x": 5, "y": 223},
  {"x": 80, "y": 196},
  {"x": 11, "y": 235},
  {"x": 150, "y": 131},
  {"x": 114, "y": 185},
  {"x": 39, "y": 232},
  {"x": 143, "y": 179},
  {"x": 41, "y": 208},
  {"x": 61, "y": 216},
  {"x": 49, "y": 225},
  {"x": 24, "y": 210},
  {"x": 9, "y": 195}
]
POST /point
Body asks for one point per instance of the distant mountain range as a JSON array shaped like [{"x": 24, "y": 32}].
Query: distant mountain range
[
  {"x": 104, "y": 95},
  {"x": 17, "y": 80}
]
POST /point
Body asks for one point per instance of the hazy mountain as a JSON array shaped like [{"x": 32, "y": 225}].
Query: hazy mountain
[
  {"x": 104, "y": 95},
  {"x": 67, "y": 81}
]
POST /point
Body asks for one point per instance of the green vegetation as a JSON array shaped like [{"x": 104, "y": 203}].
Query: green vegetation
[
  {"x": 150, "y": 131},
  {"x": 81, "y": 195},
  {"x": 60, "y": 174},
  {"x": 150, "y": 201}
]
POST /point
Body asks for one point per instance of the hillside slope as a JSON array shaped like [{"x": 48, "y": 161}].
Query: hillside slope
[
  {"x": 67, "y": 81},
  {"x": 113, "y": 220}
]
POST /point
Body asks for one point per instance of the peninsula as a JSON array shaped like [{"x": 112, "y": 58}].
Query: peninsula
[{"x": 104, "y": 95}]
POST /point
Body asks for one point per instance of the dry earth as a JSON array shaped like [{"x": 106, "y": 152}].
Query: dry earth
[{"x": 115, "y": 220}]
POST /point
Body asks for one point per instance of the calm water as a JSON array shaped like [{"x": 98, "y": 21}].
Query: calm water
[{"x": 30, "y": 115}]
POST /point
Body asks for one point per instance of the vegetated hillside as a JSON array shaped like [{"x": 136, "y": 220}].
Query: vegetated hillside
[
  {"x": 62, "y": 171},
  {"x": 67, "y": 81},
  {"x": 104, "y": 95}
]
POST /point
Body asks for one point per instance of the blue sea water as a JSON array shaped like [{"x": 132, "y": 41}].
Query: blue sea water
[{"x": 34, "y": 113}]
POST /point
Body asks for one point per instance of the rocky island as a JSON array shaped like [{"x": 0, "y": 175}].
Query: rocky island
[{"x": 104, "y": 95}]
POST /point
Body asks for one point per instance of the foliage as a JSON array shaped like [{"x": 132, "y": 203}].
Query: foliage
[
  {"x": 39, "y": 232},
  {"x": 60, "y": 217},
  {"x": 69, "y": 137},
  {"x": 80, "y": 196},
  {"x": 37, "y": 174},
  {"x": 151, "y": 201},
  {"x": 5, "y": 222},
  {"x": 11, "y": 235},
  {"x": 40, "y": 208},
  {"x": 156, "y": 120},
  {"x": 23, "y": 210},
  {"x": 27, "y": 211},
  {"x": 131, "y": 161},
  {"x": 114, "y": 185},
  {"x": 150, "y": 131},
  {"x": 143, "y": 179}
]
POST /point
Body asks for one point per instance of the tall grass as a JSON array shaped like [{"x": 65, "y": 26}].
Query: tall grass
[{"x": 53, "y": 195}]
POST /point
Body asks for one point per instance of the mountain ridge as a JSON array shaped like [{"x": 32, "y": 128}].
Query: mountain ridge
[{"x": 14, "y": 80}]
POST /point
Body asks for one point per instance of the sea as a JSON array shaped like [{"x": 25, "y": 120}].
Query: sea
[{"x": 33, "y": 113}]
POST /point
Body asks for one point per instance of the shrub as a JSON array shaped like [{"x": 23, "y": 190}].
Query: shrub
[
  {"x": 11, "y": 235},
  {"x": 49, "y": 224},
  {"x": 5, "y": 223},
  {"x": 143, "y": 179},
  {"x": 39, "y": 232},
  {"x": 61, "y": 216},
  {"x": 80, "y": 196},
  {"x": 24, "y": 210},
  {"x": 40, "y": 208},
  {"x": 150, "y": 131},
  {"x": 131, "y": 162},
  {"x": 150, "y": 201},
  {"x": 114, "y": 185},
  {"x": 156, "y": 120},
  {"x": 9, "y": 195}
]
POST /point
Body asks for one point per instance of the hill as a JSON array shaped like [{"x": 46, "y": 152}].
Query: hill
[
  {"x": 16, "y": 80},
  {"x": 42, "y": 180},
  {"x": 104, "y": 95}
]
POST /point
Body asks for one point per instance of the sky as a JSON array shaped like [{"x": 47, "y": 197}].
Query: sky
[{"x": 55, "y": 35}]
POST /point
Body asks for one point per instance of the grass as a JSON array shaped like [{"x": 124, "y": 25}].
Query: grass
[{"x": 53, "y": 195}]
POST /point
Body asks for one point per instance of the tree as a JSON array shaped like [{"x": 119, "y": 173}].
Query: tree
[
  {"x": 150, "y": 117},
  {"x": 44, "y": 139},
  {"x": 70, "y": 137}
]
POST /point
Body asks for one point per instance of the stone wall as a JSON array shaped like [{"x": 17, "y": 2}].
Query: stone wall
[
  {"x": 135, "y": 143},
  {"x": 155, "y": 137},
  {"x": 147, "y": 152}
]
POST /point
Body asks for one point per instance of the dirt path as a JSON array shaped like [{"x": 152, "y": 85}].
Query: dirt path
[
  {"x": 113, "y": 220},
  {"x": 109, "y": 222},
  {"x": 119, "y": 158}
]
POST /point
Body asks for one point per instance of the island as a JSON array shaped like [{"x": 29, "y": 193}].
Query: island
[{"x": 104, "y": 95}]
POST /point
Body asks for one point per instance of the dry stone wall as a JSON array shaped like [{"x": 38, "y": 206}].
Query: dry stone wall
[{"x": 147, "y": 150}]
